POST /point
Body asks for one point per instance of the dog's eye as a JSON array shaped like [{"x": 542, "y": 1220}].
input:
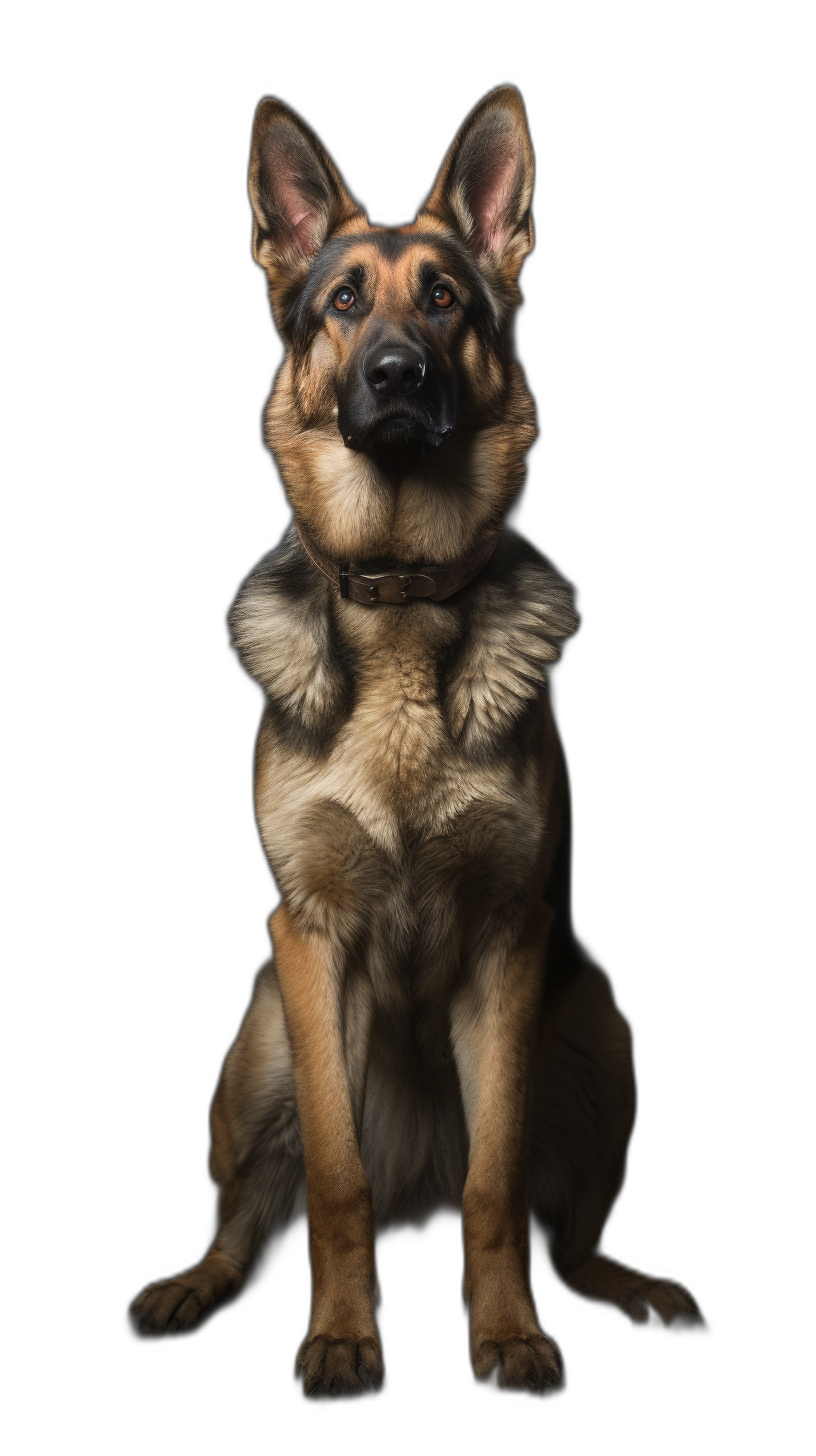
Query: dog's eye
[
  {"x": 343, "y": 299},
  {"x": 441, "y": 296}
]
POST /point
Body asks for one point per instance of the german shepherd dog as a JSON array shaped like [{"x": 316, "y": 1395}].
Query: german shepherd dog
[{"x": 429, "y": 1030}]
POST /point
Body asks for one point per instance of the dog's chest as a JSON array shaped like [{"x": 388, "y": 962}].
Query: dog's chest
[
  {"x": 396, "y": 737},
  {"x": 388, "y": 728}
]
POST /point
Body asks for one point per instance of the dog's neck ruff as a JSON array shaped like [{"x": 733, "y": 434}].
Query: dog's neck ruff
[{"x": 401, "y": 584}]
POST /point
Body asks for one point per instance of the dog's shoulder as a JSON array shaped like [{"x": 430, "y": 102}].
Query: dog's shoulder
[
  {"x": 514, "y": 625},
  {"x": 282, "y": 627}
]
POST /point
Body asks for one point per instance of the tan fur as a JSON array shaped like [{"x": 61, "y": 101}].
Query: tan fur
[
  {"x": 429, "y": 1028},
  {"x": 491, "y": 1029},
  {"x": 341, "y": 1227}
]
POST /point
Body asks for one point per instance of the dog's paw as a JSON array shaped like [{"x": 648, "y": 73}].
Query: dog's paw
[
  {"x": 601, "y": 1278},
  {"x": 332, "y": 1366},
  {"x": 669, "y": 1300},
  {"x": 526, "y": 1362},
  {"x": 166, "y": 1311}
]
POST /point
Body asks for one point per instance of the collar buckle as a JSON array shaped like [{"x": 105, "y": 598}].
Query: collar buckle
[{"x": 387, "y": 586}]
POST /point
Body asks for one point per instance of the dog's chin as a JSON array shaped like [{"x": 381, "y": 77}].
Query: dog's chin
[{"x": 398, "y": 430}]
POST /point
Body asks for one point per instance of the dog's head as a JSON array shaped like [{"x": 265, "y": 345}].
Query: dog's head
[{"x": 399, "y": 419}]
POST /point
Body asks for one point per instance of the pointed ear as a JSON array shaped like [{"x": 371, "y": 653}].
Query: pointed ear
[
  {"x": 485, "y": 183},
  {"x": 298, "y": 196}
]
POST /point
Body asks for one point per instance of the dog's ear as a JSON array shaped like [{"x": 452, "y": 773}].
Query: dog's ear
[
  {"x": 485, "y": 183},
  {"x": 298, "y": 196}
]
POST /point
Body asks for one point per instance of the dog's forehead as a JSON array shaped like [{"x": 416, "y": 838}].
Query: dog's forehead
[{"x": 390, "y": 259}]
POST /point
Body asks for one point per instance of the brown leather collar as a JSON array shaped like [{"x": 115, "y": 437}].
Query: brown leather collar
[{"x": 434, "y": 583}]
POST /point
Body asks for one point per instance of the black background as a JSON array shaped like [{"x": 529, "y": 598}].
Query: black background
[{"x": 622, "y": 338}]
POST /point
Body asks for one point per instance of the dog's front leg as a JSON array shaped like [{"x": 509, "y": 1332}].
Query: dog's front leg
[
  {"x": 341, "y": 1352},
  {"x": 492, "y": 1028}
]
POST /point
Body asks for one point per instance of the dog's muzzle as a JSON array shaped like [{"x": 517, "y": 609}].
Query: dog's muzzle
[{"x": 397, "y": 393}]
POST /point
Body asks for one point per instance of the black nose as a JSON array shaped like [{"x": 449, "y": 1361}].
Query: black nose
[{"x": 395, "y": 369}]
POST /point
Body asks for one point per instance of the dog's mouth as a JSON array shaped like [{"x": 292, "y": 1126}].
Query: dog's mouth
[{"x": 398, "y": 429}]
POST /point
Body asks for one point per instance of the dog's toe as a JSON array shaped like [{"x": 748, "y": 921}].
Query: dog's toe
[
  {"x": 526, "y": 1362},
  {"x": 332, "y": 1366},
  {"x": 166, "y": 1307},
  {"x": 670, "y": 1301}
]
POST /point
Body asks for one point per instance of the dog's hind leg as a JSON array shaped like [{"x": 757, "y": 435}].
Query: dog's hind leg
[
  {"x": 256, "y": 1158},
  {"x": 582, "y": 1117}
]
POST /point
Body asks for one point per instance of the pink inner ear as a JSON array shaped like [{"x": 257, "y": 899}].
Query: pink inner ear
[
  {"x": 492, "y": 200},
  {"x": 297, "y": 213}
]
